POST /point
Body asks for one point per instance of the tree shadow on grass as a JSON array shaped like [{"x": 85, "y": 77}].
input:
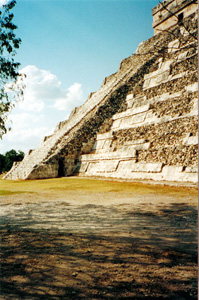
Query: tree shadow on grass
[{"x": 155, "y": 257}]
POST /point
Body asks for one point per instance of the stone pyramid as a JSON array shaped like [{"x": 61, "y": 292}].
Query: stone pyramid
[{"x": 143, "y": 121}]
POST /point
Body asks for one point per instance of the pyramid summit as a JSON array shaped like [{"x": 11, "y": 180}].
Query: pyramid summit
[{"x": 143, "y": 121}]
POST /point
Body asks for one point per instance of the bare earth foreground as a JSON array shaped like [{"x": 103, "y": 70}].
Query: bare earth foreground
[{"x": 78, "y": 238}]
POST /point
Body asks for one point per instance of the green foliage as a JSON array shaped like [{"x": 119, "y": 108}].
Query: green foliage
[
  {"x": 6, "y": 161},
  {"x": 11, "y": 82}
]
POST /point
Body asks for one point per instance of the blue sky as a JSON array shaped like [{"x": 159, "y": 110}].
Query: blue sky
[{"x": 68, "y": 47}]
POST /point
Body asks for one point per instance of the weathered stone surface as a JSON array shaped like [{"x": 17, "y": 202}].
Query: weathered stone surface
[
  {"x": 192, "y": 169},
  {"x": 102, "y": 166},
  {"x": 166, "y": 14}
]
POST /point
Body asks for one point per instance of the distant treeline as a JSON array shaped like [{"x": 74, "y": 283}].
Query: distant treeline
[{"x": 6, "y": 161}]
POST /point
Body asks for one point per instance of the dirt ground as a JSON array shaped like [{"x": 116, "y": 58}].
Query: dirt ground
[{"x": 121, "y": 242}]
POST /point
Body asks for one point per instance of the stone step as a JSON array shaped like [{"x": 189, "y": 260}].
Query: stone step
[
  {"x": 161, "y": 75},
  {"x": 129, "y": 121},
  {"x": 132, "y": 170},
  {"x": 131, "y": 112},
  {"x": 192, "y": 87},
  {"x": 164, "y": 97},
  {"x": 102, "y": 167},
  {"x": 191, "y": 169},
  {"x": 125, "y": 153},
  {"x": 102, "y": 145},
  {"x": 103, "y": 136},
  {"x": 190, "y": 140},
  {"x": 140, "y": 167}
]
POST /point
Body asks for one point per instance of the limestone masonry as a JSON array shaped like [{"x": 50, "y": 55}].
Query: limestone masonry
[{"x": 143, "y": 121}]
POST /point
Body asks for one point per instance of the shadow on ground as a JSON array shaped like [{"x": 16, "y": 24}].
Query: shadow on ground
[{"x": 155, "y": 257}]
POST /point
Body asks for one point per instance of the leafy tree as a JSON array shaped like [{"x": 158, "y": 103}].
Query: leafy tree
[
  {"x": 6, "y": 161},
  {"x": 2, "y": 163},
  {"x": 11, "y": 82}
]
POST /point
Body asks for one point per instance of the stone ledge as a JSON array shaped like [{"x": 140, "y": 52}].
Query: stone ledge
[
  {"x": 156, "y": 80},
  {"x": 129, "y": 121},
  {"x": 147, "y": 167},
  {"x": 168, "y": 173},
  {"x": 128, "y": 152},
  {"x": 138, "y": 146},
  {"x": 163, "y": 67},
  {"x": 98, "y": 144},
  {"x": 83, "y": 167},
  {"x": 129, "y": 169},
  {"x": 163, "y": 77},
  {"x": 129, "y": 97},
  {"x": 173, "y": 46},
  {"x": 152, "y": 119},
  {"x": 136, "y": 101},
  {"x": 131, "y": 112},
  {"x": 135, "y": 142},
  {"x": 116, "y": 124},
  {"x": 192, "y": 87},
  {"x": 195, "y": 107},
  {"x": 103, "y": 136},
  {"x": 191, "y": 169},
  {"x": 164, "y": 97},
  {"x": 167, "y": 177},
  {"x": 102, "y": 167},
  {"x": 190, "y": 140},
  {"x": 172, "y": 171}
]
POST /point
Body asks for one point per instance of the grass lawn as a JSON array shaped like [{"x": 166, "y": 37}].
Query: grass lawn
[{"x": 87, "y": 185}]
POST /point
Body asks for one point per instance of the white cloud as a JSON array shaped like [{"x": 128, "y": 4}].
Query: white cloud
[
  {"x": 3, "y": 2},
  {"x": 27, "y": 132},
  {"x": 25, "y": 126},
  {"x": 43, "y": 88},
  {"x": 73, "y": 98},
  {"x": 20, "y": 120},
  {"x": 45, "y": 104}
]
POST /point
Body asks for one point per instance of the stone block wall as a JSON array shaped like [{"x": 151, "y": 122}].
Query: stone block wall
[{"x": 166, "y": 14}]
